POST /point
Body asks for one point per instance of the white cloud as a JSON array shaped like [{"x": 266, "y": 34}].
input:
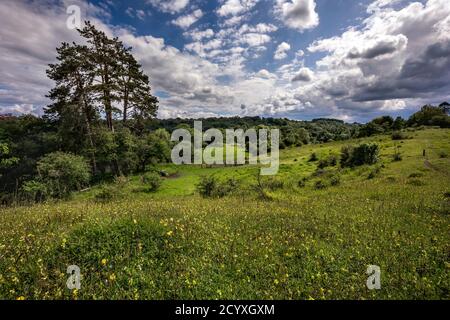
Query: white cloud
[
  {"x": 297, "y": 14},
  {"x": 170, "y": 6},
  {"x": 254, "y": 39},
  {"x": 304, "y": 75},
  {"x": 235, "y": 7},
  {"x": 186, "y": 21},
  {"x": 263, "y": 73},
  {"x": 282, "y": 48},
  {"x": 396, "y": 59},
  {"x": 378, "y": 4},
  {"x": 393, "y": 105},
  {"x": 198, "y": 35}
]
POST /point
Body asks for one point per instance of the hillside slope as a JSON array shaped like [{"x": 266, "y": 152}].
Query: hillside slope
[{"x": 305, "y": 243}]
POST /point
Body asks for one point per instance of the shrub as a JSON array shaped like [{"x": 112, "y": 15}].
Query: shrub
[
  {"x": 330, "y": 161},
  {"x": 212, "y": 187},
  {"x": 357, "y": 156},
  {"x": 108, "y": 193},
  {"x": 152, "y": 181},
  {"x": 398, "y": 135},
  {"x": 62, "y": 173},
  {"x": 319, "y": 185},
  {"x": 35, "y": 191}
]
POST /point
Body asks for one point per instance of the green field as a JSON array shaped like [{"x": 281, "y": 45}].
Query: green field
[{"x": 303, "y": 243}]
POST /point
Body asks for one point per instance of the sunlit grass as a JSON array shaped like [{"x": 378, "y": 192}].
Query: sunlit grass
[{"x": 304, "y": 244}]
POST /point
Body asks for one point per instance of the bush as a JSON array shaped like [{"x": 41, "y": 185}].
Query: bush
[
  {"x": 212, "y": 187},
  {"x": 357, "y": 156},
  {"x": 108, "y": 193},
  {"x": 35, "y": 191},
  {"x": 62, "y": 173},
  {"x": 398, "y": 135},
  {"x": 152, "y": 181},
  {"x": 330, "y": 161}
]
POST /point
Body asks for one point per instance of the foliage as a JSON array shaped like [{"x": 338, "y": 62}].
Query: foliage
[
  {"x": 431, "y": 116},
  {"x": 152, "y": 181},
  {"x": 398, "y": 135},
  {"x": 211, "y": 187},
  {"x": 62, "y": 173},
  {"x": 365, "y": 153}
]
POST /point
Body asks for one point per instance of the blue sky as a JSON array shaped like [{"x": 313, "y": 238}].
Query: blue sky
[{"x": 301, "y": 59}]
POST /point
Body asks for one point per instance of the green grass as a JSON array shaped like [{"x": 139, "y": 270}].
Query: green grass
[{"x": 303, "y": 244}]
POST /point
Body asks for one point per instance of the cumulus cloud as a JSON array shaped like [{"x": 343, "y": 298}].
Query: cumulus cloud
[
  {"x": 380, "y": 47},
  {"x": 395, "y": 54},
  {"x": 29, "y": 35},
  {"x": 395, "y": 59},
  {"x": 186, "y": 21},
  {"x": 297, "y": 14},
  {"x": 282, "y": 48},
  {"x": 304, "y": 75}
]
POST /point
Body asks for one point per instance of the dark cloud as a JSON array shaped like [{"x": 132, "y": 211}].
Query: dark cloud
[{"x": 427, "y": 74}]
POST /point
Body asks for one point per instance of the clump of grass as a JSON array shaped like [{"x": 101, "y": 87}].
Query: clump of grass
[
  {"x": 320, "y": 185},
  {"x": 302, "y": 183},
  {"x": 416, "y": 175},
  {"x": 397, "y": 157},
  {"x": 416, "y": 182},
  {"x": 335, "y": 180},
  {"x": 313, "y": 157},
  {"x": 443, "y": 154},
  {"x": 391, "y": 179},
  {"x": 374, "y": 172}
]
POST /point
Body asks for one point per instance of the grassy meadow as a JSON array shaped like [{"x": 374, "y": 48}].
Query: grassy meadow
[{"x": 307, "y": 240}]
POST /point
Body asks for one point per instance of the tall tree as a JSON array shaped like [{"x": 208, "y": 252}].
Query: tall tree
[
  {"x": 104, "y": 56},
  {"x": 134, "y": 89},
  {"x": 73, "y": 104}
]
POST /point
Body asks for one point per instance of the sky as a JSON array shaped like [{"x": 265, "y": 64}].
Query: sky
[{"x": 299, "y": 59}]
